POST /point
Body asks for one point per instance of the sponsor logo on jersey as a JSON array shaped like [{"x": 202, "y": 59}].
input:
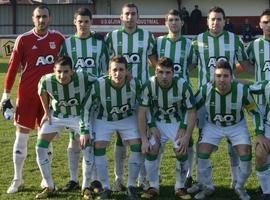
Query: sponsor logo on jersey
[
  {"x": 167, "y": 111},
  {"x": 266, "y": 66},
  {"x": 120, "y": 109},
  {"x": 224, "y": 118},
  {"x": 52, "y": 45},
  {"x": 213, "y": 61},
  {"x": 133, "y": 58},
  {"x": 45, "y": 60},
  {"x": 177, "y": 68},
  {"x": 69, "y": 103},
  {"x": 88, "y": 62}
]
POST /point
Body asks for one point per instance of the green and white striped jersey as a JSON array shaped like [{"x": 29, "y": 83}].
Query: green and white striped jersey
[
  {"x": 227, "y": 110},
  {"x": 262, "y": 88},
  {"x": 112, "y": 103},
  {"x": 179, "y": 51},
  {"x": 168, "y": 104},
  {"x": 135, "y": 47},
  {"x": 88, "y": 54},
  {"x": 207, "y": 50},
  {"x": 259, "y": 54},
  {"x": 65, "y": 100}
]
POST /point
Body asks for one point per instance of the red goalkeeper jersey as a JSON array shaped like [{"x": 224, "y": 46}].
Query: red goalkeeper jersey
[{"x": 36, "y": 56}]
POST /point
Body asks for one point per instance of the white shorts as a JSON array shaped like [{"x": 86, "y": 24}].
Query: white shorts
[
  {"x": 237, "y": 134},
  {"x": 60, "y": 124},
  {"x": 168, "y": 131},
  {"x": 201, "y": 117},
  {"x": 127, "y": 128}
]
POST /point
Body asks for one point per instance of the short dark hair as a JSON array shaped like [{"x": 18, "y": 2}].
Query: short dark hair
[
  {"x": 165, "y": 62},
  {"x": 130, "y": 5},
  {"x": 217, "y": 10},
  {"x": 64, "y": 60},
  {"x": 83, "y": 12},
  {"x": 223, "y": 64},
  {"x": 118, "y": 59},
  {"x": 41, "y": 7},
  {"x": 173, "y": 12},
  {"x": 265, "y": 12}
]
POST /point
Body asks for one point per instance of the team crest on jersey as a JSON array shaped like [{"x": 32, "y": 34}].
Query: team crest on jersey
[
  {"x": 212, "y": 103},
  {"x": 227, "y": 47},
  {"x": 234, "y": 105},
  {"x": 52, "y": 45},
  {"x": 261, "y": 51},
  {"x": 140, "y": 43},
  {"x": 77, "y": 89},
  {"x": 119, "y": 44},
  {"x": 129, "y": 94},
  {"x": 108, "y": 98},
  {"x": 94, "y": 48}
]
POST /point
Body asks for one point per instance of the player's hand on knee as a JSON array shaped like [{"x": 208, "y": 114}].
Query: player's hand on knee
[
  {"x": 46, "y": 117},
  {"x": 181, "y": 141},
  {"x": 263, "y": 141},
  {"x": 145, "y": 146},
  {"x": 84, "y": 139},
  {"x": 155, "y": 133}
]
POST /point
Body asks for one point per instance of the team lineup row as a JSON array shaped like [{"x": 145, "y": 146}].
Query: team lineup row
[{"x": 170, "y": 99}]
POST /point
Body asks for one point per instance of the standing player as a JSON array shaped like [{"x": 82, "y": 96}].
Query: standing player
[
  {"x": 178, "y": 48},
  {"x": 89, "y": 54},
  {"x": 115, "y": 97},
  {"x": 259, "y": 54},
  {"x": 225, "y": 101},
  {"x": 211, "y": 46},
  {"x": 262, "y": 149},
  {"x": 61, "y": 94},
  {"x": 137, "y": 46},
  {"x": 35, "y": 51},
  {"x": 167, "y": 96}
]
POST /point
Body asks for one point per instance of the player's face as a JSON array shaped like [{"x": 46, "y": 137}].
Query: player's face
[
  {"x": 265, "y": 24},
  {"x": 223, "y": 79},
  {"x": 129, "y": 17},
  {"x": 164, "y": 76},
  {"x": 174, "y": 24},
  {"x": 118, "y": 73},
  {"x": 63, "y": 73},
  {"x": 41, "y": 20},
  {"x": 216, "y": 23},
  {"x": 82, "y": 24}
]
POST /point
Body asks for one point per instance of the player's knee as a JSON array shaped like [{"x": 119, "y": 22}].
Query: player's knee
[
  {"x": 74, "y": 144},
  {"x": 245, "y": 163}
]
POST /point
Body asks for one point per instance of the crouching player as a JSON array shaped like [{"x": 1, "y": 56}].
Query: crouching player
[
  {"x": 262, "y": 147},
  {"x": 61, "y": 95},
  {"x": 115, "y": 98},
  {"x": 225, "y": 101},
  {"x": 168, "y": 97}
]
